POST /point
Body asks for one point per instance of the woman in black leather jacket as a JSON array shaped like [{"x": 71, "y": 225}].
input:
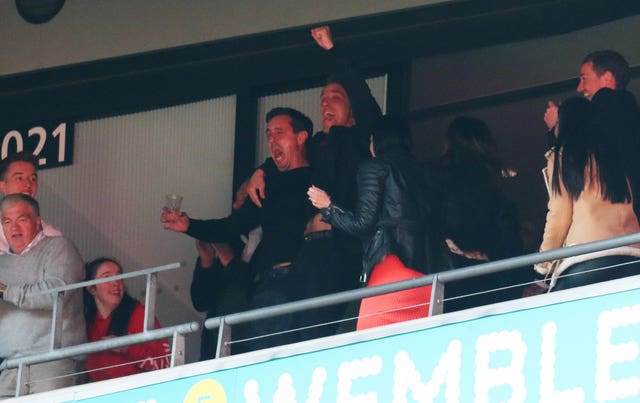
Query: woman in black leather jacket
[{"x": 389, "y": 218}]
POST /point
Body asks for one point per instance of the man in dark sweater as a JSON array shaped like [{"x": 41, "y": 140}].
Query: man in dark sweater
[
  {"x": 330, "y": 259},
  {"x": 282, "y": 218}
]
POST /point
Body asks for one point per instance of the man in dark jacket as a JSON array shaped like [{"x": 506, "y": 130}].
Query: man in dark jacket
[
  {"x": 599, "y": 69},
  {"x": 281, "y": 218},
  {"x": 330, "y": 259}
]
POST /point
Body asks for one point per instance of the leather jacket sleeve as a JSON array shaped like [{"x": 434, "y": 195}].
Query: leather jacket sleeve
[{"x": 361, "y": 221}]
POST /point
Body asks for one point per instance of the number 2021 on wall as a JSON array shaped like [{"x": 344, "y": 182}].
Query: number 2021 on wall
[{"x": 52, "y": 143}]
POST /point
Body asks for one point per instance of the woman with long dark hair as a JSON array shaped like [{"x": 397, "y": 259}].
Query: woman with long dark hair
[
  {"x": 478, "y": 222},
  {"x": 592, "y": 177},
  {"x": 389, "y": 219},
  {"x": 110, "y": 312}
]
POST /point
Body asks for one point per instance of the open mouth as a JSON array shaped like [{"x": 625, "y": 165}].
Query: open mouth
[
  {"x": 326, "y": 115},
  {"x": 116, "y": 291},
  {"x": 277, "y": 154}
]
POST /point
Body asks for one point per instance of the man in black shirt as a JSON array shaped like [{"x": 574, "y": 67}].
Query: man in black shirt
[
  {"x": 330, "y": 259},
  {"x": 282, "y": 218}
]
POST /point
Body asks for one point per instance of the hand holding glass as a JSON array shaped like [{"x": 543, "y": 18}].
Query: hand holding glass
[
  {"x": 173, "y": 201},
  {"x": 172, "y": 217}
]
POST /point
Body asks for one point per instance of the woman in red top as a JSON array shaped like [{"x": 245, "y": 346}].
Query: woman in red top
[{"x": 110, "y": 312}]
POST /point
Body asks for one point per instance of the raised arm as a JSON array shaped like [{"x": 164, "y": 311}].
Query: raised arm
[
  {"x": 227, "y": 229},
  {"x": 322, "y": 36},
  {"x": 551, "y": 121},
  {"x": 363, "y": 105},
  {"x": 551, "y": 115}
]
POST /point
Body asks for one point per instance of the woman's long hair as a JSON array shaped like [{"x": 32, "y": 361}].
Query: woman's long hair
[
  {"x": 391, "y": 135},
  {"x": 474, "y": 210},
  {"x": 597, "y": 139},
  {"x": 121, "y": 315},
  {"x": 470, "y": 148}
]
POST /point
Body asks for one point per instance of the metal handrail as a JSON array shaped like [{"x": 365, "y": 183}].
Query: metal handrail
[
  {"x": 437, "y": 280},
  {"x": 123, "y": 276},
  {"x": 224, "y": 323},
  {"x": 149, "y": 304},
  {"x": 101, "y": 345},
  {"x": 56, "y": 352}
]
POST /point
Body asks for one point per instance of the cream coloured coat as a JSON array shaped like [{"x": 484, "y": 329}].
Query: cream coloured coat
[{"x": 589, "y": 218}]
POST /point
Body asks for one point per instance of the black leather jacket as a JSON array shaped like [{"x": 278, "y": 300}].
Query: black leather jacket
[{"x": 388, "y": 216}]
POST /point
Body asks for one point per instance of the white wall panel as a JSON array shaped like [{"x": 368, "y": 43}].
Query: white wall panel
[
  {"x": 108, "y": 202},
  {"x": 308, "y": 102}
]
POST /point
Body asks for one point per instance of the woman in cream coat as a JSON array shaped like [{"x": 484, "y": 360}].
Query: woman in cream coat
[{"x": 589, "y": 176}]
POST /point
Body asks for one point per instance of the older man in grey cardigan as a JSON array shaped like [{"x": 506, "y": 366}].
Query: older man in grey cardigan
[{"x": 36, "y": 263}]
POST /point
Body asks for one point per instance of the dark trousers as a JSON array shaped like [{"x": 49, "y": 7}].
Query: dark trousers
[
  {"x": 585, "y": 273},
  {"x": 324, "y": 266},
  {"x": 276, "y": 287}
]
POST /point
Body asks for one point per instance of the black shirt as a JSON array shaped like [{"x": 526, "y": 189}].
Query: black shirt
[{"x": 282, "y": 218}]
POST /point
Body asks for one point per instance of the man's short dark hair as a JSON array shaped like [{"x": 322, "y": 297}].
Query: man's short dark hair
[
  {"x": 299, "y": 121},
  {"x": 337, "y": 78},
  {"x": 610, "y": 60},
  {"x": 10, "y": 200},
  {"x": 20, "y": 156}
]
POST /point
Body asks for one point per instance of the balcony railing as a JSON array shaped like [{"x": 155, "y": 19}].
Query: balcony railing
[{"x": 225, "y": 324}]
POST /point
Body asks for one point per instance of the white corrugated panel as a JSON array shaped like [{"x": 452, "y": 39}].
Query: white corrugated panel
[{"x": 108, "y": 202}]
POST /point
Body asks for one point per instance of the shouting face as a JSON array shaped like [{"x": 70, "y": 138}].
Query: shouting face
[
  {"x": 335, "y": 107},
  {"x": 286, "y": 147}
]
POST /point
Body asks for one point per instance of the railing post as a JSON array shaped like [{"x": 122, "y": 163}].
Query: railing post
[
  {"x": 22, "y": 380},
  {"x": 223, "y": 349},
  {"x": 437, "y": 297},
  {"x": 150, "y": 302},
  {"x": 56, "y": 321},
  {"x": 177, "y": 349}
]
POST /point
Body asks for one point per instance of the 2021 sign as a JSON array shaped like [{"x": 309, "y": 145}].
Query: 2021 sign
[{"x": 51, "y": 142}]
